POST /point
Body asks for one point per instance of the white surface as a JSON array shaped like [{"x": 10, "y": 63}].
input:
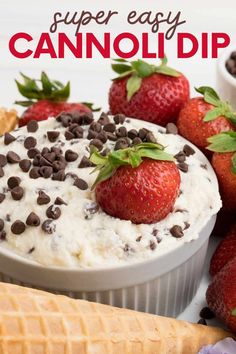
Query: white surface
[{"x": 91, "y": 78}]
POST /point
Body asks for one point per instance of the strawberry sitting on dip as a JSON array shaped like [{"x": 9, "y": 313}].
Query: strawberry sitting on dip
[{"x": 140, "y": 183}]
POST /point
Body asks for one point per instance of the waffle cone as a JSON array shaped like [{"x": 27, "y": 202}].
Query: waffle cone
[
  {"x": 36, "y": 322},
  {"x": 8, "y": 120}
]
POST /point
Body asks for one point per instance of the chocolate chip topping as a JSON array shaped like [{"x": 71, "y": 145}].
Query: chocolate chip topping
[
  {"x": 3, "y": 235},
  {"x": 48, "y": 226},
  {"x": 59, "y": 201},
  {"x": 13, "y": 182},
  {"x": 59, "y": 176},
  {"x": 188, "y": 150},
  {"x": 96, "y": 127},
  {"x": 33, "y": 152},
  {"x": 1, "y": 172},
  {"x": 43, "y": 198},
  {"x": 142, "y": 133},
  {"x": 152, "y": 245},
  {"x": 33, "y": 220},
  {"x": 110, "y": 127},
  {"x": 69, "y": 135},
  {"x": 71, "y": 155},
  {"x": 139, "y": 238},
  {"x": 81, "y": 184},
  {"x": 102, "y": 137},
  {"x": 97, "y": 143},
  {"x": 137, "y": 141},
  {"x": 132, "y": 133},
  {"x": 53, "y": 135},
  {"x": 34, "y": 173},
  {"x": 45, "y": 171},
  {"x": 1, "y": 224},
  {"x": 25, "y": 165},
  {"x": 18, "y": 227},
  {"x": 85, "y": 162},
  {"x": 206, "y": 313},
  {"x": 121, "y": 144},
  {"x": 111, "y": 136},
  {"x": 180, "y": 157},
  {"x": 182, "y": 166},
  {"x": 32, "y": 126},
  {"x": 119, "y": 118},
  {"x": 8, "y": 138},
  {"x": 30, "y": 142},
  {"x": 53, "y": 212},
  {"x": 31, "y": 250},
  {"x": 90, "y": 209},
  {"x": 3, "y": 160},
  {"x": 104, "y": 119},
  {"x": 150, "y": 138},
  {"x": 177, "y": 231},
  {"x": 2, "y": 197},
  {"x": 91, "y": 134},
  {"x": 121, "y": 132},
  {"x": 202, "y": 322},
  {"x": 17, "y": 193},
  {"x": 171, "y": 128},
  {"x": 12, "y": 157}
]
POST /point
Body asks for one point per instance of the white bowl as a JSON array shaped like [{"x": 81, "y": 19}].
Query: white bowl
[
  {"x": 164, "y": 285},
  {"x": 226, "y": 83}
]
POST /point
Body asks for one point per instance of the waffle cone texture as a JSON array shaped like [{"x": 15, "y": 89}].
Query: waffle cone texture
[{"x": 36, "y": 322}]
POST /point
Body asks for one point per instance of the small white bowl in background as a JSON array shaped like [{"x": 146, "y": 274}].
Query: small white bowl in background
[{"x": 226, "y": 83}]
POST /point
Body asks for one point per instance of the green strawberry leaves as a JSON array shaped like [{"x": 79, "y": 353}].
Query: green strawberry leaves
[
  {"x": 221, "y": 108},
  {"x": 51, "y": 90},
  {"x": 90, "y": 105},
  {"x": 138, "y": 70},
  {"x": 133, "y": 156}
]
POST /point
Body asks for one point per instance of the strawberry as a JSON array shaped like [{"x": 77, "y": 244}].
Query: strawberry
[
  {"x": 45, "y": 102},
  {"x": 225, "y": 251},
  {"x": 221, "y": 294},
  {"x": 139, "y": 184},
  {"x": 202, "y": 117},
  {"x": 149, "y": 92},
  {"x": 224, "y": 164}
]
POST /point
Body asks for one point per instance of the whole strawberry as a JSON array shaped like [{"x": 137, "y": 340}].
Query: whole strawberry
[
  {"x": 202, "y": 117},
  {"x": 48, "y": 101},
  {"x": 221, "y": 294},
  {"x": 139, "y": 184},
  {"x": 224, "y": 252},
  {"x": 149, "y": 92},
  {"x": 224, "y": 164}
]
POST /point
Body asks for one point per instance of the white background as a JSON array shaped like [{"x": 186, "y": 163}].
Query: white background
[{"x": 90, "y": 78}]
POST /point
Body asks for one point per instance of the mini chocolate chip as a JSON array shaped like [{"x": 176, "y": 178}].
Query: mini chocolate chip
[
  {"x": 32, "y": 152},
  {"x": 85, "y": 162},
  {"x": 105, "y": 152},
  {"x": 110, "y": 127},
  {"x": 30, "y": 142},
  {"x": 137, "y": 141},
  {"x": 59, "y": 176},
  {"x": 3, "y": 235},
  {"x": 25, "y": 165},
  {"x": 8, "y": 218},
  {"x": 1, "y": 224},
  {"x": 202, "y": 322},
  {"x": 53, "y": 212},
  {"x": 85, "y": 118},
  {"x": 50, "y": 156},
  {"x": 180, "y": 157},
  {"x": 59, "y": 201},
  {"x": 81, "y": 184},
  {"x": 204, "y": 166},
  {"x": 152, "y": 245},
  {"x": 42, "y": 161},
  {"x": 182, "y": 166},
  {"x": 127, "y": 248},
  {"x": 56, "y": 150},
  {"x": 71, "y": 155},
  {"x": 78, "y": 132},
  {"x": 187, "y": 225},
  {"x": 13, "y": 182},
  {"x": 34, "y": 173},
  {"x": 142, "y": 133},
  {"x": 90, "y": 210},
  {"x": 46, "y": 171},
  {"x": 132, "y": 133},
  {"x": 150, "y": 138},
  {"x": 58, "y": 165},
  {"x": 1, "y": 172},
  {"x": 33, "y": 220},
  {"x": 188, "y": 150},
  {"x": 17, "y": 193},
  {"x": 12, "y": 157},
  {"x": 111, "y": 136},
  {"x": 97, "y": 143},
  {"x": 121, "y": 132},
  {"x": 155, "y": 232},
  {"x": 48, "y": 226},
  {"x": 73, "y": 126},
  {"x": 43, "y": 198},
  {"x": 18, "y": 227},
  {"x": 53, "y": 135},
  {"x": 2, "y": 197},
  {"x": 119, "y": 118},
  {"x": 69, "y": 135},
  {"x": 91, "y": 134},
  {"x": 3, "y": 160},
  {"x": 206, "y": 313},
  {"x": 32, "y": 126},
  {"x": 121, "y": 144},
  {"x": 171, "y": 128},
  {"x": 36, "y": 160},
  {"x": 95, "y": 126},
  {"x": 45, "y": 150},
  {"x": 102, "y": 137},
  {"x": 65, "y": 119},
  {"x": 8, "y": 138},
  {"x": 31, "y": 250},
  {"x": 139, "y": 238},
  {"x": 177, "y": 231},
  {"x": 103, "y": 119}
]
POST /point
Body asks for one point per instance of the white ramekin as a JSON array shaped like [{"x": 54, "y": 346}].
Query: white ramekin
[
  {"x": 226, "y": 83},
  {"x": 164, "y": 285}
]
